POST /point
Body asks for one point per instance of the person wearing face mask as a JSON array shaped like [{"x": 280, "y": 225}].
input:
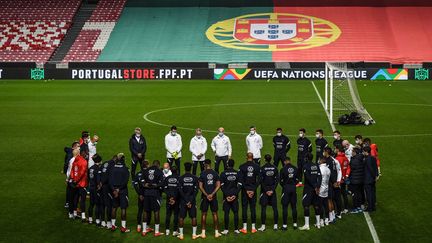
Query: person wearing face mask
[
  {"x": 282, "y": 145},
  {"x": 359, "y": 140},
  {"x": 320, "y": 144},
  {"x": 348, "y": 148},
  {"x": 337, "y": 139},
  {"x": 304, "y": 147},
  {"x": 85, "y": 139},
  {"x": 92, "y": 149},
  {"x": 166, "y": 170},
  {"x": 198, "y": 148},
  {"x": 138, "y": 148},
  {"x": 173, "y": 146},
  {"x": 221, "y": 146},
  {"x": 254, "y": 144},
  {"x": 374, "y": 152}
]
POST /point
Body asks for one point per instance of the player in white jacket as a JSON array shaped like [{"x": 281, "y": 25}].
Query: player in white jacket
[
  {"x": 221, "y": 146},
  {"x": 173, "y": 146},
  {"x": 198, "y": 148},
  {"x": 254, "y": 144}
]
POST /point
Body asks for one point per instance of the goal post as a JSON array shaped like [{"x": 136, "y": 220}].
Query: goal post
[{"x": 341, "y": 94}]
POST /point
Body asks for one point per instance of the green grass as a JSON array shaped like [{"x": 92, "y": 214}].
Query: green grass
[{"x": 39, "y": 118}]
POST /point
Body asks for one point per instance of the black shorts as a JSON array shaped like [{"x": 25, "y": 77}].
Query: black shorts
[
  {"x": 184, "y": 211},
  {"x": 266, "y": 200},
  {"x": 151, "y": 203},
  {"x": 289, "y": 197},
  {"x": 205, "y": 204},
  {"x": 310, "y": 198},
  {"x": 234, "y": 205},
  {"x": 121, "y": 201}
]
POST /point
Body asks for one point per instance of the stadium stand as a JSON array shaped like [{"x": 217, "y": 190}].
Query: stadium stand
[
  {"x": 96, "y": 32},
  {"x": 30, "y": 30}
]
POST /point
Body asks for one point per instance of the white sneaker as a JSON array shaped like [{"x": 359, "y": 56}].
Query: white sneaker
[
  {"x": 345, "y": 211},
  {"x": 317, "y": 225},
  {"x": 322, "y": 223},
  {"x": 176, "y": 233},
  {"x": 167, "y": 232},
  {"x": 262, "y": 228},
  {"x": 237, "y": 231},
  {"x": 295, "y": 225},
  {"x": 217, "y": 235},
  {"x": 275, "y": 227},
  {"x": 225, "y": 232},
  {"x": 304, "y": 227}
]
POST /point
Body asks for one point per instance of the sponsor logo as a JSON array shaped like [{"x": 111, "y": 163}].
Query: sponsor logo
[
  {"x": 172, "y": 180},
  {"x": 231, "y": 178},
  {"x": 37, "y": 73},
  {"x": 391, "y": 74},
  {"x": 273, "y": 32},
  {"x": 188, "y": 179},
  {"x": 230, "y": 74},
  {"x": 419, "y": 74},
  {"x": 131, "y": 73},
  {"x": 209, "y": 177}
]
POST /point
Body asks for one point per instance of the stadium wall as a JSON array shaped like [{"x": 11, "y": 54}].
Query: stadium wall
[{"x": 194, "y": 71}]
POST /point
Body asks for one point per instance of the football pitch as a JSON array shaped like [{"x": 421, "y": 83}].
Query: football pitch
[{"x": 39, "y": 118}]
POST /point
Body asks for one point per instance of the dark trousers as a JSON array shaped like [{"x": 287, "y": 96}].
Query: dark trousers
[
  {"x": 273, "y": 204},
  {"x": 289, "y": 198},
  {"x": 95, "y": 203},
  {"x": 370, "y": 196},
  {"x": 279, "y": 157},
  {"x": 231, "y": 206},
  {"x": 195, "y": 166},
  {"x": 344, "y": 193},
  {"x": 135, "y": 162},
  {"x": 71, "y": 198},
  {"x": 357, "y": 191},
  {"x": 251, "y": 202},
  {"x": 172, "y": 161},
  {"x": 170, "y": 210},
  {"x": 300, "y": 169},
  {"x": 218, "y": 160},
  {"x": 337, "y": 199}
]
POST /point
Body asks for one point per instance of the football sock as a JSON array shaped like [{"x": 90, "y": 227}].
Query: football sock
[
  {"x": 181, "y": 231},
  {"x": 156, "y": 228},
  {"x": 123, "y": 223},
  {"x": 244, "y": 225},
  {"x": 113, "y": 222},
  {"x": 307, "y": 221}
]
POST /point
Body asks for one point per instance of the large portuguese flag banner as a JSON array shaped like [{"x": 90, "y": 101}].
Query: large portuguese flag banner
[{"x": 266, "y": 34}]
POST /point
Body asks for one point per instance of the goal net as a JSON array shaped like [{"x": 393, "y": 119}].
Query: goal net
[{"x": 341, "y": 94}]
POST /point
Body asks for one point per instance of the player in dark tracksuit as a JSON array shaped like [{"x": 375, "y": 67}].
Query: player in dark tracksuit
[
  {"x": 311, "y": 188},
  {"x": 334, "y": 194},
  {"x": 269, "y": 181},
  {"x": 250, "y": 179},
  {"x": 209, "y": 184},
  {"x": 230, "y": 185},
  {"x": 320, "y": 144},
  {"x": 282, "y": 145},
  {"x": 138, "y": 184},
  {"x": 153, "y": 179},
  {"x": 288, "y": 181},
  {"x": 188, "y": 189},
  {"x": 94, "y": 174},
  {"x": 106, "y": 194},
  {"x": 138, "y": 148},
  {"x": 171, "y": 189},
  {"x": 337, "y": 142},
  {"x": 304, "y": 147},
  {"x": 118, "y": 182},
  {"x": 370, "y": 176}
]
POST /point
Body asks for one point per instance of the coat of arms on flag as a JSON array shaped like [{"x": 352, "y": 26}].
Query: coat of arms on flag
[{"x": 273, "y": 32}]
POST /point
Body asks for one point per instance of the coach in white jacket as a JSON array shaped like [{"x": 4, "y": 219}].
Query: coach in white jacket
[
  {"x": 254, "y": 144},
  {"x": 221, "y": 146},
  {"x": 173, "y": 146},
  {"x": 198, "y": 148}
]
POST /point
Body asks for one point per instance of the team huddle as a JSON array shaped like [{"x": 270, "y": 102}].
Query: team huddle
[{"x": 328, "y": 179}]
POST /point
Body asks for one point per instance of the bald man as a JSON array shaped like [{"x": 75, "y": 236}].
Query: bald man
[{"x": 221, "y": 146}]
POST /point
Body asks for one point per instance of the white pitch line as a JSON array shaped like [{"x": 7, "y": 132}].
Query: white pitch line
[
  {"x": 366, "y": 214},
  {"x": 322, "y": 103}
]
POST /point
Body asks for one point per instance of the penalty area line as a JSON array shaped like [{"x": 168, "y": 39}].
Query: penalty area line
[{"x": 366, "y": 214}]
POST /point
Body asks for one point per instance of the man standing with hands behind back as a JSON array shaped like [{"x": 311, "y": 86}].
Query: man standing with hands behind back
[
  {"x": 221, "y": 146},
  {"x": 138, "y": 148},
  {"x": 173, "y": 146}
]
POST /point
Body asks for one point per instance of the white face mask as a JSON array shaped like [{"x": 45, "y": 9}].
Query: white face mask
[
  {"x": 173, "y": 133},
  {"x": 279, "y": 134},
  {"x": 335, "y": 137},
  {"x": 301, "y": 135},
  {"x": 358, "y": 141},
  {"x": 166, "y": 171},
  {"x": 221, "y": 134},
  {"x": 199, "y": 136},
  {"x": 137, "y": 134},
  {"x": 95, "y": 143},
  {"x": 317, "y": 135},
  {"x": 252, "y": 132}
]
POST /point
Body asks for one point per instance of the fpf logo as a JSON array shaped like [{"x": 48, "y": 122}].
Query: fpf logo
[{"x": 273, "y": 32}]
